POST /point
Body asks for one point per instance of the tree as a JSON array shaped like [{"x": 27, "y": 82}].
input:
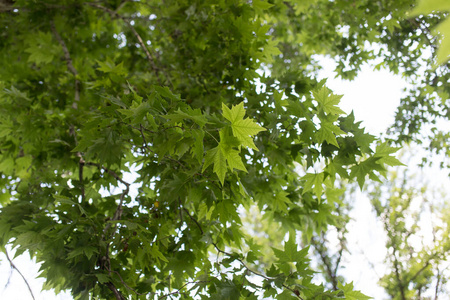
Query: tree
[
  {"x": 416, "y": 224},
  {"x": 213, "y": 105}
]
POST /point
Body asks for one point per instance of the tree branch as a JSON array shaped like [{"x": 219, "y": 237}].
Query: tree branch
[
  {"x": 80, "y": 176},
  {"x": 397, "y": 274},
  {"x": 110, "y": 172},
  {"x": 20, "y": 273},
  {"x": 194, "y": 220},
  {"x": 118, "y": 212},
  {"x": 427, "y": 263},
  {"x": 106, "y": 263},
  {"x": 340, "y": 254},
  {"x": 116, "y": 292},
  {"x": 319, "y": 246},
  {"x": 296, "y": 292},
  {"x": 126, "y": 285},
  {"x": 424, "y": 31},
  {"x": 70, "y": 66}
]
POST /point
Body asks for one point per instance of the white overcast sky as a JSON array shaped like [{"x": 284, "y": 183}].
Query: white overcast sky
[{"x": 373, "y": 96}]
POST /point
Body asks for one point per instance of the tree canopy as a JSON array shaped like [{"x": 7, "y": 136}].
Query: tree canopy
[{"x": 137, "y": 137}]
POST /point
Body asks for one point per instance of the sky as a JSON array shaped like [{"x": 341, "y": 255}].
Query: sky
[{"x": 373, "y": 96}]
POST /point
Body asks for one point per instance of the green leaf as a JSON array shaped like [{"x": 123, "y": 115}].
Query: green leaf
[
  {"x": 109, "y": 66},
  {"x": 192, "y": 114},
  {"x": 280, "y": 201},
  {"x": 383, "y": 152},
  {"x": 88, "y": 251},
  {"x": 364, "y": 168},
  {"x": 363, "y": 139},
  {"x": 226, "y": 291},
  {"x": 156, "y": 253},
  {"x": 428, "y": 6},
  {"x": 290, "y": 253},
  {"x": 167, "y": 93},
  {"x": 17, "y": 94},
  {"x": 67, "y": 200},
  {"x": 197, "y": 149},
  {"x": 243, "y": 129},
  {"x": 41, "y": 48},
  {"x": 443, "y": 52},
  {"x": 221, "y": 156},
  {"x": 261, "y": 4},
  {"x": 286, "y": 295},
  {"x": 116, "y": 101},
  {"x": 313, "y": 180},
  {"x": 235, "y": 114},
  {"x": 234, "y": 160},
  {"x": 219, "y": 159},
  {"x": 102, "y": 278},
  {"x": 328, "y": 101},
  {"x": 328, "y": 132},
  {"x": 350, "y": 294}
]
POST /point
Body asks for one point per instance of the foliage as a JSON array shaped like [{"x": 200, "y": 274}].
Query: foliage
[{"x": 169, "y": 92}]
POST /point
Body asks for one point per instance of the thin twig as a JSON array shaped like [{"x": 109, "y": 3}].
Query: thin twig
[
  {"x": 112, "y": 173},
  {"x": 424, "y": 30},
  {"x": 20, "y": 273},
  {"x": 182, "y": 287},
  {"x": 320, "y": 248},
  {"x": 194, "y": 220},
  {"x": 181, "y": 213},
  {"x": 150, "y": 57},
  {"x": 70, "y": 66},
  {"x": 141, "y": 129},
  {"x": 397, "y": 274},
  {"x": 427, "y": 263},
  {"x": 126, "y": 285},
  {"x": 118, "y": 212}
]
